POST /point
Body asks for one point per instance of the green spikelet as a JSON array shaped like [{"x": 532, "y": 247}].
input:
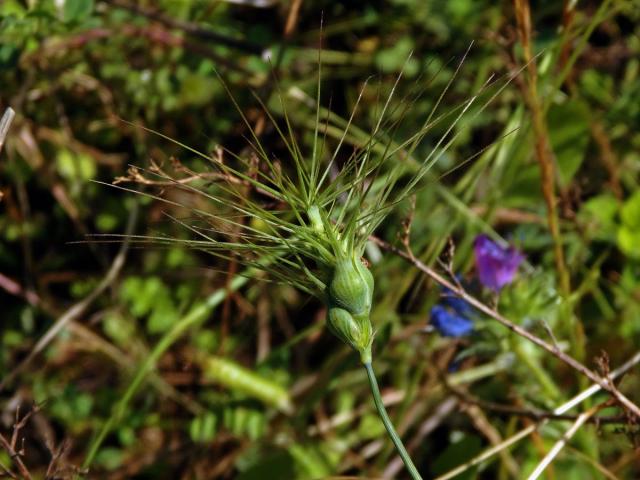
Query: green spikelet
[{"x": 350, "y": 293}]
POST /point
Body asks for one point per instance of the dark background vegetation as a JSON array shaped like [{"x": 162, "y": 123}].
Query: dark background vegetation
[{"x": 82, "y": 75}]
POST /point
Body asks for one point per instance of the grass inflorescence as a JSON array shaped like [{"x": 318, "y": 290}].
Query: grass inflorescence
[{"x": 306, "y": 218}]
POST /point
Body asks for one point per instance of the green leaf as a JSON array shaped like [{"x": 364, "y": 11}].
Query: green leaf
[
  {"x": 106, "y": 222},
  {"x": 196, "y": 89},
  {"x": 393, "y": 59},
  {"x": 629, "y": 231},
  {"x": 629, "y": 241},
  {"x": 75, "y": 167},
  {"x": 630, "y": 213},
  {"x": 12, "y": 7},
  {"x": 568, "y": 126},
  {"x": 110, "y": 458},
  {"x": 310, "y": 461},
  {"x": 242, "y": 380},
  {"x": 524, "y": 191},
  {"x": 456, "y": 454},
  {"x": 164, "y": 313},
  {"x": 278, "y": 465},
  {"x": 203, "y": 428},
  {"x": 76, "y": 10},
  {"x": 150, "y": 296},
  {"x": 371, "y": 427},
  {"x": 599, "y": 216}
]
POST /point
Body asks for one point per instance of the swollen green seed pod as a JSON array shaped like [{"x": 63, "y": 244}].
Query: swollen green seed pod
[
  {"x": 351, "y": 286},
  {"x": 237, "y": 378},
  {"x": 350, "y": 293}
]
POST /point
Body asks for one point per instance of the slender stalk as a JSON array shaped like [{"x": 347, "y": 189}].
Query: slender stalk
[
  {"x": 5, "y": 123},
  {"x": 377, "y": 399},
  {"x": 602, "y": 382},
  {"x": 543, "y": 148},
  {"x": 197, "y": 314},
  {"x": 540, "y": 373},
  {"x": 565, "y": 407},
  {"x": 548, "y": 174},
  {"x": 560, "y": 444}
]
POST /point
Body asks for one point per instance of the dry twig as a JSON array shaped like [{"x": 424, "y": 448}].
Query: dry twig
[
  {"x": 192, "y": 29},
  {"x": 10, "y": 446},
  {"x": 553, "y": 453},
  {"x": 565, "y": 407},
  {"x": 77, "y": 309},
  {"x": 605, "y": 384},
  {"x": 5, "y": 123}
]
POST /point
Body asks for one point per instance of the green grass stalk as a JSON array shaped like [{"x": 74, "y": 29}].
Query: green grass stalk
[
  {"x": 197, "y": 315},
  {"x": 544, "y": 156},
  {"x": 382, "y": 412},
  {"x": 545, "y": 381}
]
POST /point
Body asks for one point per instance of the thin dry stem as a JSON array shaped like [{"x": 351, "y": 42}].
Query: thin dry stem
[
  {"x": 555, "y": 450},
  {"x": 76, "y": 310},
  {"x": 193, "y": 29},
  {"x": 605, "y": 384},
  {"x": 565, "y": 407},
  {"x": 10, "y": 446},
  {"x": 5, "y": 123},
  {"x": 543, "y": 150}
]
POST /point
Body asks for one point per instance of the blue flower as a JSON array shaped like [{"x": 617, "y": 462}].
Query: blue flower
[
  {"x": 453, "y": 301},
  {"x": 452, "y": 316},
  {"x": 450, "y": 323},
  {"x": 496, "y": 265}
]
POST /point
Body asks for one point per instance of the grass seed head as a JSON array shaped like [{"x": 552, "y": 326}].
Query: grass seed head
[
  {"x": 322, "y": 208},
  {"x": 349, "y": 298}
]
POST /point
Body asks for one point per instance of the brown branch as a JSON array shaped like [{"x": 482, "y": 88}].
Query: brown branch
[
  {"x": 15, "y": 457},
  {"x": 10, "y": 446},
  {"x": 292, "y": 18},
  {"x": 5, "y": 123},
  {"x": 79, "y": 308},
  {"x": 155, "y": 33},
  {"x": 68, "y": 141},
  {"x": 508, "y": 215},
  {"x": 532, "y": 413},
  {"x": 605, "y": 384},
  {"x": 607, "y": 157},
  {"x": 6, "y": 472},
  {"x": 14, "y": 288},
  {"x": 582, "y": 396},
  {"x": 134, "y": 176},
  {"x": 192, "y": 29},
  {"x": 543, "y": 150}
]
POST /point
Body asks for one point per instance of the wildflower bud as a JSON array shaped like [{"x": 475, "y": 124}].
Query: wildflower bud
[
  {"x": 350, "y": 295},
  {"x": 497, "y": 265}
]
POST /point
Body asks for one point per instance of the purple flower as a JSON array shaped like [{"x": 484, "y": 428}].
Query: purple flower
[
  {"x": 496, "y": 265},
  {"x": 450, "y": 323}
]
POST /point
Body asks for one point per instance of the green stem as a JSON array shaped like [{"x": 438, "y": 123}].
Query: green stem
[
  {"x": 196, "y": 315},
  {"x": 540, "y": 373},
  {"x": 377, "y": 399}
]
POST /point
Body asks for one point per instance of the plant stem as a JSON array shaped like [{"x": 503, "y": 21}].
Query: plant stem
[
  {"x": 196, "y": 315},
  {"x": 532, "y": 363},
  {"x": 604, "y": 383},
  {"x": 377, "y": 399},
  {"x": 548, "y": 175}
]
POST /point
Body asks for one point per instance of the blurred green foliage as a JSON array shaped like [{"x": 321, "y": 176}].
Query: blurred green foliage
[{"x": 82, "y": 75}]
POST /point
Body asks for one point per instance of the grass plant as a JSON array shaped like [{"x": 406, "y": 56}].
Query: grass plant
[
  {"x": 325, "y": 212},
  {"x": 471, "y": 236}
]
